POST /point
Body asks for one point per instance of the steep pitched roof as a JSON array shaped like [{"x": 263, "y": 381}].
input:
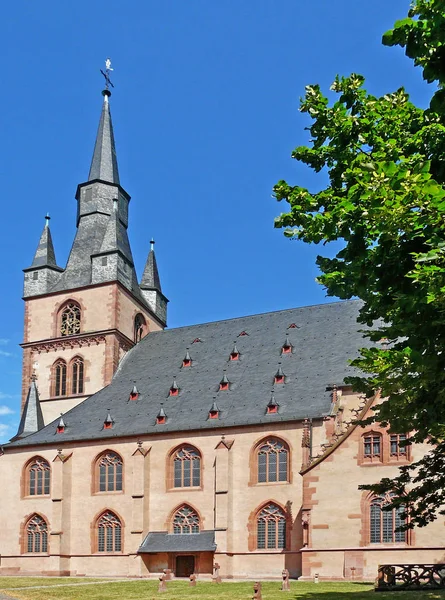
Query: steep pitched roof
[
  {"x": 150, "y": 277},
  {"x": 326, "y": 338},
  {"x": 104, "y": 162},
  {"x": 45, "y": 255},
  {"x": 32, "y": 418}
]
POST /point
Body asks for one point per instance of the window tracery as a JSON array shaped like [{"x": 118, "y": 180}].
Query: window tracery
[
  {"x": 186, "y": 467},
  {"x": 70, "y": 319},
  {"x": 109, "y": 476},
  {"x": 36, "y": 535},
  {"x": 186, "y": 520},
  {"x": 39, "y": 475},
  {"x": 109, "y": 533},
  {"x": 383, "y": 523},
  {"x": 273, "y": 459},
  {"x": 271, "y": 528}
]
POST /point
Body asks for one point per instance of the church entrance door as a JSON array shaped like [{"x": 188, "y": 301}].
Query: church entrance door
[{"x": 185, "y": 565}]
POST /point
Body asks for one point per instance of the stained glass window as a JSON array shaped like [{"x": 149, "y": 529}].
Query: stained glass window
[
  {"x": 272, "y": 462},
  {"x": 271, "y": 528}
]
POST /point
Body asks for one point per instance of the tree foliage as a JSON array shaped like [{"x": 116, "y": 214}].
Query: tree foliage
[{"x": 385, "y": 159}]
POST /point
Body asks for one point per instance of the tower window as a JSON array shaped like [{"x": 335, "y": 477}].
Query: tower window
[
  {"x": 139, "y": 327},
  {"x": 35, "y": 275},
  {"x": 59, "y": 378},
  {"x": 70, "y": 319},
  {"x": 77, "y": 375},
  {"x": 104, "y": 261}
]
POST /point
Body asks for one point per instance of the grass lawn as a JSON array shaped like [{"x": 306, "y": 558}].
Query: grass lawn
[{"x": 76, "y": 589}]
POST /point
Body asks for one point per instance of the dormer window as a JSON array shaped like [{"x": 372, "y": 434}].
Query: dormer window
[
  {"x": 196, "y": 340},
  {"x": 187, "y": 361},
  {"x": 224, "y": 384},
  {"x": 287, "y": 347},
  {"x": 214, "y": 412},
  {"x": 243, "y": 333},
  {"x": 60, "y": 425},
  {"x": 109, "y": 422},
  {"x": 272, "y": 407},
  {"x": 134, "y": 394},
  {"x": 293, "y": 326},
  {"x": 174, "y": 390},
  {"x": 234, "y": 355},
  {"x": 161, "y": 417},
  {"x": 279, "y": 376}
]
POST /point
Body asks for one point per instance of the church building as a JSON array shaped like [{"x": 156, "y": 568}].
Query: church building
[{"x": 235, "y": 442}]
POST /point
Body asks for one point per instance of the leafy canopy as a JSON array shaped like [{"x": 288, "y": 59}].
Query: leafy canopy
[{"x": 385, "y": 159}]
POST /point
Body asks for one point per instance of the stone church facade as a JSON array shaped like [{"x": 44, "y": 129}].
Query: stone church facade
[{"x": 142, "y": 448}]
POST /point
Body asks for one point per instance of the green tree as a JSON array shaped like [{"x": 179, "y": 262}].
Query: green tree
[{"x": 385, "y": 159}]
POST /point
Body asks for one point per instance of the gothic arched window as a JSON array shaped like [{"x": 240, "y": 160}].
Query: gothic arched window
[
  {"x": 109, "y": 471},
  {"x": 186, "y": 463},
  {"x": 109, "y": 533},
  {"x": 383, "y": 523},
  {"x": 271, "y": 528},
  {"x": 70, "y": 319},
  {"x": 59, "y": 378},
  {"x": 139, "y": 325},
  {"x": 36, "y": 530},
  {"x": 273, "y": 461},
  {"x": 38, "y": 477},
  {"x": 77, "y": 375},
  {"x": 186, "y": 520}
]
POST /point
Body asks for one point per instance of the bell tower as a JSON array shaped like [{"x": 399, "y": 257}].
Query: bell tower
[{"x": 80, "y": 320}]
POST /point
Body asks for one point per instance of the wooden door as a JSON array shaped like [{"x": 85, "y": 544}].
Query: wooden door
[{"x": 185, "y": 565}]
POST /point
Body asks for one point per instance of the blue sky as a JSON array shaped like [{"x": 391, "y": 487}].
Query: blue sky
[{"x": 205, "y": 113}]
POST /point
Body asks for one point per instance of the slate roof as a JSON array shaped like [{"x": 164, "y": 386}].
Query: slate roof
[
  {"x": 104, "y": 161},
  {"x": 150, "y": 277},
  {"x": 45, "y": 255},
  {"x": 323, "y": 338},
  {"x": 171, "y": 542},
  {"x": 32, "y": 418}
]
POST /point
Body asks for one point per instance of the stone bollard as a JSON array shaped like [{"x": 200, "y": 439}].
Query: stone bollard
[
  {"x": 257, "y": 591},
  {"x": 162, "y": 585},
  {"x": 192, "y": 580},
  {"x": 168, "y": 574},
  {"x": 216, "y": 577},
  {"x": 285, "y": 585},
  {"x": 316, "y": 579}
]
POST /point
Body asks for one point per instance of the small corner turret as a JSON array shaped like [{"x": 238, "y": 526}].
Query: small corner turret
[
  {"x": 151, "y": 286},
  {"x": 43, "y": 272}
]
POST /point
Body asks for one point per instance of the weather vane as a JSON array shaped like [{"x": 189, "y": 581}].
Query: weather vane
[{"x": 106, "y": 74}]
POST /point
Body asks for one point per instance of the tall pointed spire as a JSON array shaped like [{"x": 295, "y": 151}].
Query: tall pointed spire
[
  {"x": 104, "y": 162},
  {"x": 45, "y": 255},
  {"x": 150, "y": 277},
  {"x": 32, "y": 418}
]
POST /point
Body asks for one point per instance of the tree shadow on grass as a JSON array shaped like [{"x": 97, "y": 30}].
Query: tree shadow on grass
[{"x": 361, "y": 591}]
